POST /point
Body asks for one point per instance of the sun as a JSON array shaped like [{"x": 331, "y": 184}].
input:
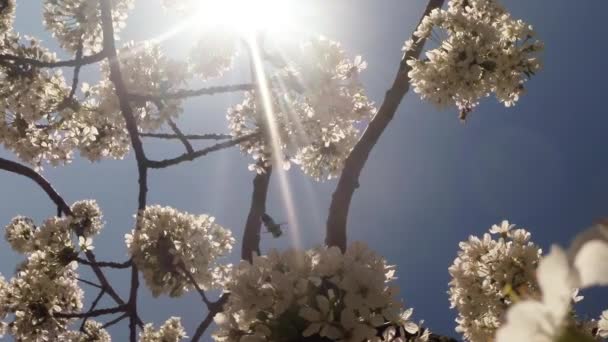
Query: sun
[{"x": 246, "y": 16}]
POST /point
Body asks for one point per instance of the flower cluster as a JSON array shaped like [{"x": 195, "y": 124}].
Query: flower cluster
[
  {"x": 145, "y": 71},
  {"x": 602, "y": 325},
  {"x": 489, "y": 275},
  {"x": 174, "y": 249},
  {"x": 43, "y": 286},
  {"x": 317, "y": 102},
  {"x": 55, "y": 234},
  {"x": 92, "y": 332},
  {"x": 294, "y": 295},
  {"x": 549, "y": 318},
  {"x": 485, "y": 51},
  {"x": 86, "y": 218},
  {"x": 214, "y": 53},
  {"x": 77, "y": 23},
  {"x": 7, "y": 15},
  {"x": 33, "y": 101},
  {"x": 171, "y": 331}
]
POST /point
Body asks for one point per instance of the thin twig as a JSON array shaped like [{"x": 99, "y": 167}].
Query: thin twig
[
  {"x": 76, "y": 70},
  {"x": 185, "y": 93},
  {"x": 180, "y": 136},
  {"x": 91, "y": 313},
  {"x": 28, "y": 172},
  {"x": 160, "y": 164},
  {"x": 253, "y": 226},
  {"x": 213, "y": 310},
  {"x": 210, "y": 136},
  {"x": 85, "y": 60},
  {"x": 115, "y": 320},
  {"x": 196, "y": 286},
  {"x": 118, "y": 265},
  {"x": 349, "y": 179},
  {"x": 93, "y": 306},
  {"x": 90, "y": 283}
]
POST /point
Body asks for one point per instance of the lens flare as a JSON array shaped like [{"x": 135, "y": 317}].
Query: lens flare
[{"x": 275, "y": 140}]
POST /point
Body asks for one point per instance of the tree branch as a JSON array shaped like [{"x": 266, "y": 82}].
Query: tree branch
[
  {"x": 91, "y": 313},
  {"x": 160, "y": 164},
  {"x": 117, "y": 265},
  {"x": 349, "y": 179},
  {"x": 93, "y": 306},
  {"x": 253, "y": 226},
  {"x": 28, "y": 172},
  {"x": 213, "y": 310},
  {"x": 85, "y": 60},
  {"x": 180, "y": 136},
  {"x": 184, "y": 93},
  {"x": 109, "y": 45},
  {"x": 210, "y": 136}
]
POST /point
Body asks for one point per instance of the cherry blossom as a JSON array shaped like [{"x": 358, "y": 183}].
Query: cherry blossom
[
  {"x": 320, "y": 292},
  {"x": 318, "y": 103},
  {"x": 173, "y": 248},
  {"x": 489, "y": 275},
  {"x": 171, "y": 331},
  {"x": 78, "y": 22},
  {"x": 485, "y": 51},
  {"x": 548, "y": 319}
]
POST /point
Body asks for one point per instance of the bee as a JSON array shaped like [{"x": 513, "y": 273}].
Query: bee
[{"x": 272, "y": 227}]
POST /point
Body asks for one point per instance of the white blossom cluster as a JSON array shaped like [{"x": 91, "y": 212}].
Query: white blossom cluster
[
  {"x": 31, "y": 124},
  {"x": 7, "y": 16},
  {"x": 489, "y": 275},
  {"x": 77, "y": 23},
  {"x": 43, "y": 285},
  {"x": 293, "y": 295},
  {"x": 317, "y": 102},
  {"x": 93, "y": 332},
  {"x": 550, "y": 318},
  {"x": 55, "y": 234},
  {"x": 171, "y": 331},
  {"x": 485, "y": 51},
  {"x": 145, "y": 71},
  {"x": 602, "y": 325},
  {"x": 213, "y": 53},
  {"x": 171, "y": 247},
  {"x": 46, "y": 283}
]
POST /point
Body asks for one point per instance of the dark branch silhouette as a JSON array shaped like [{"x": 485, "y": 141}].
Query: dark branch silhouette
[
  {"x": 160, "y": 164},
  {"x": 349, "y": 179},
  {"x": 253, "y": 226},
  {"x": 185, "y": 93}
]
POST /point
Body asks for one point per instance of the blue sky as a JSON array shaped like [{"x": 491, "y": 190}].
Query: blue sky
[{"x": 430, "y": 182}]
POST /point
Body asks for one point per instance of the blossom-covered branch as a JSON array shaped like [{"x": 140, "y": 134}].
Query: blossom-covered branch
[{"x": 349, "y": 179}]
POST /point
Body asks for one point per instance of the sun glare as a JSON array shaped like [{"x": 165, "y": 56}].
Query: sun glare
[{"x": 247, "y": 16}]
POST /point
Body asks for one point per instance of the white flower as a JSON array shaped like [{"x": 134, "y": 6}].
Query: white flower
[
  {"x": 92, "y": 332},
  {"x": 86, "y": 218},
  {"x": 318, "y": 105},
  {"x": 171, "y": 331},
  {"x": 76, "y": 22},
  {"x": 485, "y": 51},
  {"x": 20, "y": 234},
  {"x": 343, "y": 297},
  {"x": 170, "y": 246},
  {"x": 504, "y": 228},
  {"x": 488, "y": 275},
  {"x": 86, "y": 244},
  {"x": 546, "y": 320},
  {"x": 602, "y": 325}
]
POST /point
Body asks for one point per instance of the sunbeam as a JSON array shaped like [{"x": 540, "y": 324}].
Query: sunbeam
[{"x": 275, "y": 140}]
